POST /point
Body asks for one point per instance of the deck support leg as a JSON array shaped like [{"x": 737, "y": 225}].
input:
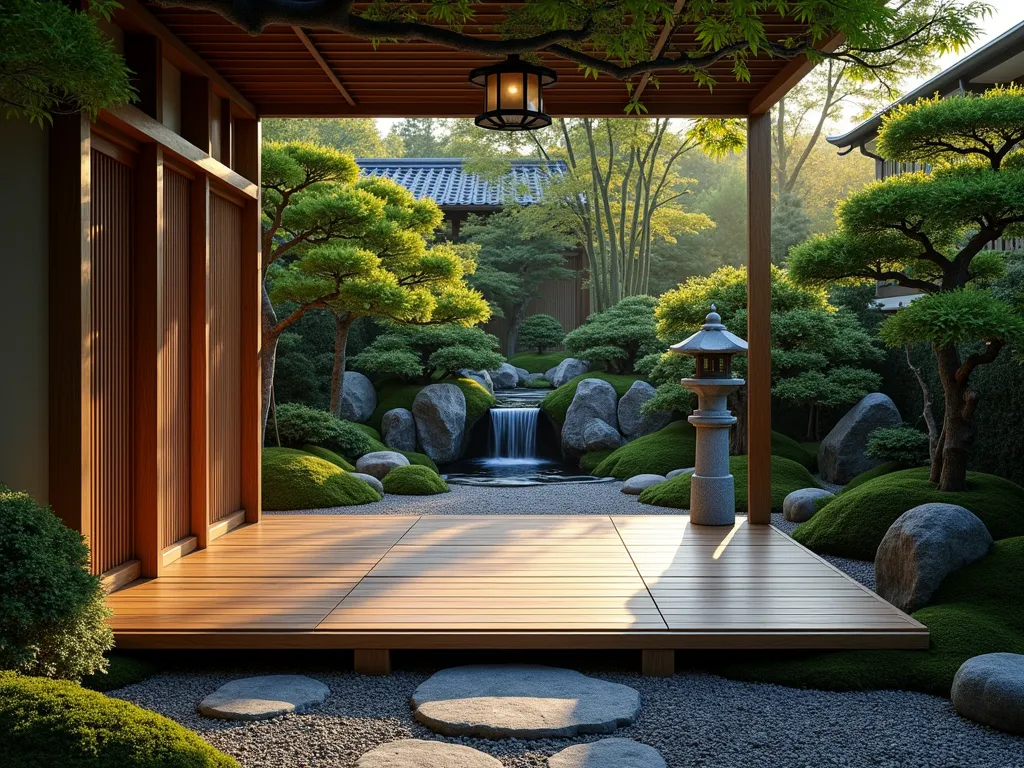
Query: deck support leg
[
  {"x": 659, "y": 663},
  {"x": 372, "y": 662}
]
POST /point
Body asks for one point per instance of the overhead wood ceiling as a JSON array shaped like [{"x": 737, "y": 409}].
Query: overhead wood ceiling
[{"x": 288, "y": 72}]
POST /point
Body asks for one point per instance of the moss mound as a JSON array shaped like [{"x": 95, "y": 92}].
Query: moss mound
[
  {"x": 536, "y": 363},
  {"x": 882, "y": 469},
  {"x": 557, "y": 403},
  {"x": 329, "y": 455},
  {"x": 478, "y": 399},
  {"x": 414, "y": 480},
  {"x": 297, "y": 480},
  {"x": 659, "y": 453},
  {"x": 790, "y": 449},
  {"x": 419, "y": 459},
  {"x": 590, "y": 461},
  {"x": 976, "y": 610},
  {"x": 51, "y": 722},
  {"x": 853, "y": 523},
  {"x": 787, "y": 476},
  {"x": 536, "y": 384},
  {"x": 367, "y": 430}
]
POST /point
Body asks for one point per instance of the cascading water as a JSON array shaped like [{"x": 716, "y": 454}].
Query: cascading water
[{"x": 514, "y": 433}]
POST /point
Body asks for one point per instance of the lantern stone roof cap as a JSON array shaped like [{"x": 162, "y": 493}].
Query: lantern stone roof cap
[{"x": 712, "y": 338}]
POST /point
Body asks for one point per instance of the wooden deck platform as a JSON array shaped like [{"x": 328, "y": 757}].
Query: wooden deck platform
[{"x": 534, "y": 582}]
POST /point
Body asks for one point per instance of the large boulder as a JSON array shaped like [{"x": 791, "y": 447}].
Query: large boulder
[
  {"x": 379, "y": 463},
  {"x": 505, "y": 376},
  {"x": 599, "y": 435},
  {"x": 398, "y": 428},
  {"x": 631, "y": 422},
  {"x": 842, "y": 455},
  {"x": 440, "y": 413},
  {"x": 483, "y": 378},
  {"x": 358, "y": 398},
  {"x": 522, "y": 372},
  {"x": 594, "y": 399},
  {"x": 800, "y": 506},
  {"x": 989, "y": 689},
  {"x": 569, "y": 368},
  {"x": 549, "y": 374},
  {"x": 924, "y": 546}
]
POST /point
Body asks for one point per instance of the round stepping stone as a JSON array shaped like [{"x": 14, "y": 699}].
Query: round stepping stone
[
  {"x": 414, "y": 753},
  {"x": 608, "y": 753},
  {"x": 261, "y": 698},
  {"x": 989, "y": 689},
  {"x": 522, "y": 701},
  {"x": 638, "y": 483}
]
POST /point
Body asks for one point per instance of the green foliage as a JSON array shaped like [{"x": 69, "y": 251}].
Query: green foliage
[
  {"x": 853, "y": 523},
  {"x": 977, "y": 610},
  {"x": 790, "y": 226},
  {"x": 536, "y": 384},
  {"x": 954, "y": 317},
  {"x": 356, "y": 135},
  {"x": 660, "y": 452},
  {"x": 294, "y": 479},
  {"x": 540, "y": 332},
  {"x": 300, "y": 425},
  {"x": 787, "y": 476},
  {"x": 882, "y": 469},
  {"x": 590, "y": 461},
  {"x": 478, "y": 399},
  {"x": 55, "y": 60},
  {"x": 426, "y": 353},
  {"x": 50, "y": 723},
  {"x": 788, "y": 448},
  {"x": 420, "y": 460},
  {"x": 414, "y": 480},
  {"x": 122, "y": 669},
  {"x": 52, "y": 617},
  {"x": 617, "y": 337},
  {"x": 328, "y": 455},
  {"x": 556, "y": 404},
  {"x": 537, "y": 363},
  {"x": 902, "y": 445}
]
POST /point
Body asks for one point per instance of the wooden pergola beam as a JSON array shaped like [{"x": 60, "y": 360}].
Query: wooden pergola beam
[
  {"x": 318, "y": 57},
  {"x": 787, "y": 78},
  {"x": 658, "y": 48}
]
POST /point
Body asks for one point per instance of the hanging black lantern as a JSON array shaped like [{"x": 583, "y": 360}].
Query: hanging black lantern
[{"x": 513, "y": 95}]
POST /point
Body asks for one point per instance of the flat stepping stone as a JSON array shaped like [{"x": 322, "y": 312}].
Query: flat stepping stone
[
  {"x": 500, "y": 701},
  {"x": 261, "y": 698},
  {"x": 415, "y": 753},
  {"x": 608, "y": 753},
  {"x": 989, "y": 689}
]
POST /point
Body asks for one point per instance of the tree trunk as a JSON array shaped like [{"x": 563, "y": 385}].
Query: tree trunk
[
  {"x": 515, "y": 323},
  {"x": 268, "y": 355},
  {"x": 926, "y": 411},
  {"x": 342, "y": 324},
  {"x": 957, "y": 426}
]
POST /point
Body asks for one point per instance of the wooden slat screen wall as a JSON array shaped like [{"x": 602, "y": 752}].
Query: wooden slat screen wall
[
  {"x": 173, "y": 383},
  {"x": 225, "y": 357},
  {"x": 110, "y": 481}
]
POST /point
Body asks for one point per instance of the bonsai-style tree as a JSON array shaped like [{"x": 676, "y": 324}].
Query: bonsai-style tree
[
  {"x": 617, "y": 337},
  {"x": 928, "y": 231},
  {"x": 429, "y": 352},
  {"x": 541, "y": 332}
]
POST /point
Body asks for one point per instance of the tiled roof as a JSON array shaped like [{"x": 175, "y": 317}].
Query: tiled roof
[{"x": 446, "y": 182}]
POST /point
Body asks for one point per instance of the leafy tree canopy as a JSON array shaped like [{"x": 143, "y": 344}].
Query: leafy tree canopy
[
  {"x": 429, "y": 352},
  {"x": 358, "y": 135},
  {"x": 541, "y": 332},
  {"x": 617, "y": 337}
]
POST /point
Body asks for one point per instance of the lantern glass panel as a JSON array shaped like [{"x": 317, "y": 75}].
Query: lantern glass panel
[
  {"x": 533, "y": 93},
  {"x": 491, "y": 94}
]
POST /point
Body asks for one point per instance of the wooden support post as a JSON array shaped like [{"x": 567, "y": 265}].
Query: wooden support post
[
  {"x": 147, "y": 279},
  {"x": 658, "y": 663},
  {"x": 199, "y": 345},
  {"x": 195, "y": 112},
  {"x": 247, "y": 149},
  {"x": 227, "y": 130},
  {"x": 759, "y": 307},
  {"x": 373, "y": 662},
  {"x": 144, "y": 56}
]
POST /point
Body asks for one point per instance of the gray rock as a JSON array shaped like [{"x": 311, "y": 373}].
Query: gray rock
[
  {"x": 800, "y": 506},
  {"x": 842, "y": 454},
  {"x": 440, "y": 411},
  {"x": 608, "y": 753},
  {"x": 379, "y": 463},
  {"x": 523, "y": 702},
  {"x": 924, "y": 546},
  {"x": 631, "y": 423},
  {"x": 549, "y": 374},
  {"x": 989, "y": 689},
  {"x": 636, "y": 484},
  {"x": 678, "y": 472},
  {"x": 261, "y": 698},
  {"x": 531, "y": 378},
  {"x": 358, "y": 398},
  {"x": 483, "y": 378},
  {"x": 569, "y": 368},
  {"x": 599, "y": 435},
  {"x": 505, "y": 376},
  {"x": 398, "y": 429},
  {"x": 594, "y": 399},
  {"x": 370, "y": 480},
  {"x": 522, "y": 372},
  {"x": 416, "y": 753}
]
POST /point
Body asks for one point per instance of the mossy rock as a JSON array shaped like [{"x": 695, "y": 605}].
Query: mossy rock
[
  {"x": 536, "y": 363},
  {"x": 657, "y": 453},
  {"x": 789, "y": 448},
  {"x": 977, "y": 610},
  {"x": 787, "y": 476},
  {"x": 882, "y": 469},
  {"x": 478, "y": 399},
  {"x": 557, "y": 403},
  {"x": 414, "y": 458},
  {"x": 295, "y": 479},
  {"x": 327, "y": 455},
  {"x": 853, "y": 523},
  {"x": 414, "y": 480},
  {"x": 57, "y": 723},
  {"x": 590, "y": 461}
]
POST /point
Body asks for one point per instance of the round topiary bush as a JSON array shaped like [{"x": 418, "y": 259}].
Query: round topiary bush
[
  {"x": 297, "y": 480},
  {"x": 853, "y": 523},
  {"x": 540, "y": 332},
  {"x": 787, "y": 476},
  {"x": 51, "y": 723},
  {"x": 657, "y": 453},
  {"x": 414, "y": 480},
  {"x": 903, "y": 444},
  {"x": 300, "y": 425},
  {"x": 52, "y": 617},
  {"x": 328, "y": 455}
]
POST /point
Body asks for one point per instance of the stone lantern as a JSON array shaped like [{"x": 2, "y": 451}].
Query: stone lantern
[{"x": 712, "y": 491}]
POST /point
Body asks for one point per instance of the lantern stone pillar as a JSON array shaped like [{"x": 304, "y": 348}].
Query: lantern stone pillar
[{"x": 712, "y": 487}]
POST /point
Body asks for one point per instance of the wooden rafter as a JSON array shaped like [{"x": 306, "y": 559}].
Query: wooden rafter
[
  {"x": 315, "y": 52},
  {"x": 666, "y": 31}
]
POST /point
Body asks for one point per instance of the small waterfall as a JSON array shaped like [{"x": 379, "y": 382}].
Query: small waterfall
[{"x": 514, "y": 433}]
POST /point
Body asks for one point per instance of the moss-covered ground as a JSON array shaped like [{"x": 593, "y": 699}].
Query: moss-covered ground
[
  {"x": 660, "y": 452},
  {"x": 882, "y": 469},
  {"x": 557, "y": 403},
  {"x": 294, "y": 479},
  {"x": 414, "y": 480},
  {"x": 801, "y": 453},
  {"x": 327, "y": 455},
  {"x": 537, "y": 363}
]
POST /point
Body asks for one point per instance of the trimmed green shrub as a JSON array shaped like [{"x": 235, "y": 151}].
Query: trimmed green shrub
[
  {"x": 853, "y": 523},
  {"x": 478, "y": 399},
  {"x": 540, "y": 332},
  {"x": 790, "y": 449},
  {"x": 297, "y": 480},
  {"x": 557, "y": 403},
  {"x": 903, "y": 444},
  {"x": 52, "y": 616},
  {"x": 619, "y": 336},
  {"x": 787, "y": 476},
  {"x": 328, "y": 455},
  {"x": 882, "y": 469},
  {"x": 124, "y": 669},
  {"x": 423, "y": 353},
  {"x": 658, "y": 453},
  {"x": 414, "y": 480},
  {"x": 535, "y": 363},
  {"x": 300, "y": 425},
  {"x": 977, "y": 610},
  {"x": 590, "y": 461},
  {"x": 50, "y": 723},
  {"x": 366, "y": 429}
]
